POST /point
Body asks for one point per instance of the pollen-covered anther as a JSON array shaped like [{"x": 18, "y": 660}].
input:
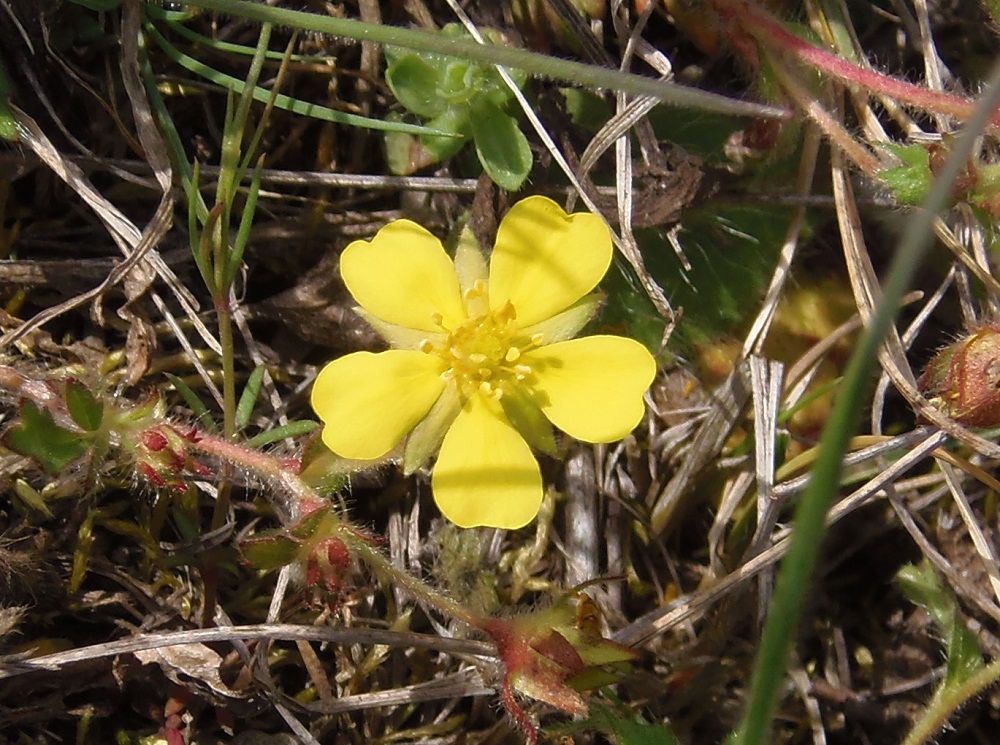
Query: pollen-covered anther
[
  {"x": 513, "y": 354},
  {"x": 426, "y": 346},
  {"x": 437, "y": 319},
  {"x": 522, "y": 371},
  {"x": 478, "y": 290}
]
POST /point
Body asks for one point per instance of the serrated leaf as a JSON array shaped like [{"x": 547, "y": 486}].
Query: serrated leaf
[
  {"x": 86, "y": 411},
  {"x": 37, "y": 436},
  {"x": 501, "y": 145}
]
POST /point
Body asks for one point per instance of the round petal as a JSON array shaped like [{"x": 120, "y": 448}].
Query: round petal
[
  {"x": 486, "y": 474},
  {"x": 546, "y": 260},
  {"x": 368, "y": 402},
  {"x": 404, "y": 276},
  {"x": 592, "y": 388}
]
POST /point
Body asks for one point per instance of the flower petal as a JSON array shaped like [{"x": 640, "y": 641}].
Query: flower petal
[
  {"x": 592, "y": 388},
  {"x": 368, "y": 402},
  {"x": 546, "y": 260},
  {"x": 486, "y": 474},
  {"x": 404, "y": 276}
]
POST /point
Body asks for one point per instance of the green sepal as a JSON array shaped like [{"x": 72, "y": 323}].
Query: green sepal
[
  {"x": 324, "y": 471},
  {"x": 426, "y": 437},
  {"x": 529, "y": 421},
  {"x": 399, "y": 337},
  {"x": 567, "y": 323},
  {"x": 470, "y": 264}
]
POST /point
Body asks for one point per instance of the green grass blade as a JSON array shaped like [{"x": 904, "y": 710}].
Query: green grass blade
[
  {"x": 226, "y": 47},
  {"x": 796, "y": 570},
  {"x": 282, "y": 101},
  {"x": 540, "y": 65}
]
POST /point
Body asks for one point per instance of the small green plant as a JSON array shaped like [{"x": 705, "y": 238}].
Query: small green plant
[{"x": 467, "y": 100}]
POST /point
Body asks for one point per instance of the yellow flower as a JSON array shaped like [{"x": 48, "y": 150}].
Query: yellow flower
[{"x": 483, "y": 362}]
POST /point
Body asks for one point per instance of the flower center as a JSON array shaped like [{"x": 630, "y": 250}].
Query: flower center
[{"x": 482, "y": 353}]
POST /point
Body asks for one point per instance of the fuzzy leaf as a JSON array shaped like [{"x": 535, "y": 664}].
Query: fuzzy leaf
[
  {"x": 37, "y": 436},
  {"x": 244, "y": 409},
  {"x": 630, "y": 730},
  {"x": 911, "y": 182},
  {"x": 270, "y": 552},
  {"x": 922, "y": 586},
  {"x": 86, "y": 410}
]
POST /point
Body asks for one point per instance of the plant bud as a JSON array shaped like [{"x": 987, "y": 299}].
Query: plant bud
[{"x": 963, "y": 379}]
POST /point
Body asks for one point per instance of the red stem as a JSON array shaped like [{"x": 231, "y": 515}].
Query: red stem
[{"x": 767, "y": 31}]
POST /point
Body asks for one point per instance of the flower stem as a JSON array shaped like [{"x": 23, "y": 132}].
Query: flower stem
[
  {"x": 276, "y": 471},
  {"x": 769, "y": 33}
]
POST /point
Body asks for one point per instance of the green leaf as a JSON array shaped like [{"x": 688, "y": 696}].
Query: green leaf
[
  {"x": 98, "y": 4},
  {"x": 731, "y": 251},
  {"x": 270, "y": 552},
  {"x": 31, "y": 497},
  {"x": 197, "y": 406},
  {"x": 455, "y": 121},
  {"x": 415, "y": 81},
  {"x": 37, "y": 436},
  {"x": 630, "y": 729},
  {"x": 292, "y": 429},
  {"x": 85, "y": 410},
  {"x": 8, "y": 124},
  {"x": 922, "y": 586},
  {"x": 586, "y": 109},
  {"x": 700, "y": 133},
  {"x": 501, "y": 145},
  {"x": 911, "y": 182},
  {"x": 281, "y": 101},
  {"x": 244, "y": 409}
]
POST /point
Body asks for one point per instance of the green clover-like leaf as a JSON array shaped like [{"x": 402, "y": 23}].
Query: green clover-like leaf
[{"x": 37, "y": 436}]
